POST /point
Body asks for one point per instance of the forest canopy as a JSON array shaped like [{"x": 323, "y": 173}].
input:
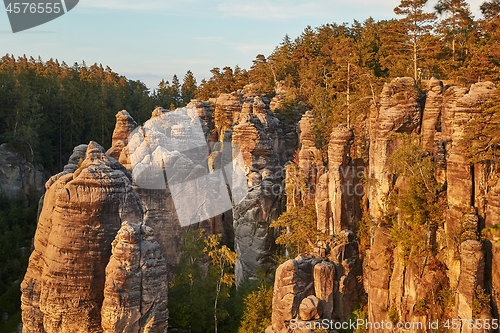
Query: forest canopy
[{"x": 335, "y": 70}]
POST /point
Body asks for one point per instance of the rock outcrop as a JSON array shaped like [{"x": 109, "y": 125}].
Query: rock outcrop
[
  {"x": 460, "y": 268},
  {"x": 402, "y": 289},
  {"x": 399, "y": 112},
  {"x": 170, "y": 168},
  {"x": 258, "y": 135},
  {"x": 310, "y": 288},
  {"x": 135, "y": 292},
  {"x": 63, "y": 289},
  {"x": 124, "y": 127},
  {"x": 219, "y": 166},
  {"x": 340, "y": 190},
  {"x": 18, "y": 176}
]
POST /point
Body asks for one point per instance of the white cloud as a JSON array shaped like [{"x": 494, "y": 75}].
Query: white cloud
[
  {"x": 254, "y": 48},
  {"x": 142, "y": 5},
  {"x": 276, "y": 10},
  {"x": 290, "y": 9},
  {"x": 209, "y": 38}
]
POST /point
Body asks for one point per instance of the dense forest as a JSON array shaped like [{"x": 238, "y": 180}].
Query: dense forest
[{"x": 335, "y": 70}]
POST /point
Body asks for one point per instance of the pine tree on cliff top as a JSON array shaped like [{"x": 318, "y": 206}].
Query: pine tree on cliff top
[
  {"x": 416, "y": 23},
  {"x": 189, "y": 87}
]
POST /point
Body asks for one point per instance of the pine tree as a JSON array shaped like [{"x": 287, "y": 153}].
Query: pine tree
[
  {"x": 416, "y": 23},
  {"x": 175, "y": 92},
  {"x": 490, "y": 9},
  {"x": 457, "y": 26},
  {"x": 188, "y": 89}
]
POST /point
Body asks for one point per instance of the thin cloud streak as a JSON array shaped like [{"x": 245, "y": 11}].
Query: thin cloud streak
[{"x": 291, "y": 9}]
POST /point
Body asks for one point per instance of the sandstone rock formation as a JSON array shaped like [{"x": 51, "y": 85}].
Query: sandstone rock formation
[
  {"x": 399, "y": 112},
  {"x": 400, "y": 289},
  {"x": 313, "y": 288},
  {"x": 135, "y": 292},
  {"x": 340, "y": 190},
  {"x": 18, "y": 176},
  {"x": 259, "y": 137},
  {"x": 125, "y": 125},
  {"x": 461, "y": 269},
  {"x": 63, "y": 289},
  {"x": 169, "y": 164},
  {"x": 185, "y": 169}
]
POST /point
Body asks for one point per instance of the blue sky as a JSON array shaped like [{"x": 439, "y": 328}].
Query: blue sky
[{"x": 149, "y": 40}]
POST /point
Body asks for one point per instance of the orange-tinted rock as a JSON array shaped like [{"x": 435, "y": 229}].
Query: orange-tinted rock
[
  {"x": 125, "y": 125},
  {"x": 135, "y": 293},
  {"x": 63, "y": 289}
]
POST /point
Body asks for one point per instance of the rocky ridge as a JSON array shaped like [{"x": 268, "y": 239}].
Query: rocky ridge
[
  {"x": 252, "y": 151},
  {"x": 84, "y": 207},
  {"x": 455, "y": 281}
]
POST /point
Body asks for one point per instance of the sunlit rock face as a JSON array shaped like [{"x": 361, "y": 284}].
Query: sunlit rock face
[
  {"x": 259, "y": 137},
  {"x": 135, "y": 292},
  {"x": 84, "y": 207},
  {"x": 456, "y": 277},
  {"x": 439, "y": 115}
]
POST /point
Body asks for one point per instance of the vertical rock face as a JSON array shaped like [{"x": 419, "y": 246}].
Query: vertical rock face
[
  {"x": 294, "y": 282},
  {"x": 460, "y": 182},
  {"x": 342, "y": 184},
  {"x": 18, "y": 176},
  {"x": 400, "y": 289},
  {"x": 340, "y": 190},
  {"x": 399, "y": 112},
  {"x": 432, "y": 117},
  {"x": 63, "y": 289},
  {"x": 471, "y": 277},
  {"x": 310, "y": 160},
  {"x": 125, "y": 125},
  {"x": 313, "y": 288},
  {"x": 135, "y": 293},
  {"x": 169, "y": 164},
  {"x": 258, "y": 135}
]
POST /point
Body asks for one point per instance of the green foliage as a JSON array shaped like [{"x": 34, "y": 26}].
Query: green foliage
[
  {"x": 190, "y": 292},
  {"x": 416, "y": 24},
  {"x": 223, "y": 261},
  {"x": 481, "y": 139},
  {"x": 221, "y": 121},
  {"x": 189, "y": 88},
  {"x": 258, "y": 311},
  {"x": 490, "y": 9},
  {"x": 418, "y": 200},
  {"x": 290, "y": 112},
  {"x": 298, "y": 229},
  {"x": 393, "y": 315},
  {"x": 202, "y": 286},
  {"x": 52, "y": 107},
  {"x": 420, "y": 308},
  {"x": 222, "y": 82},
  {"x": 17, "y": 228},
  {"x": 481, "y": 303}
]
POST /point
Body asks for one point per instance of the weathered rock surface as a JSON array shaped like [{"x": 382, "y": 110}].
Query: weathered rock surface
[
  {"x": 404, "y": 289},
  {"x": 309, "y": 288},
  {"x": 135, "y": 293},
  {"x": 169, "y": 163},
  {"x": 340, "y": 190},
  {"x": 399, "y": 112},
  {"x": 471, "y": 277},
  {"x": 258, "y": 135},
  {"x": 18, "y": 176},
  {"x": 63, "y": 288},
  {"x": 124, "y": 127}
]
